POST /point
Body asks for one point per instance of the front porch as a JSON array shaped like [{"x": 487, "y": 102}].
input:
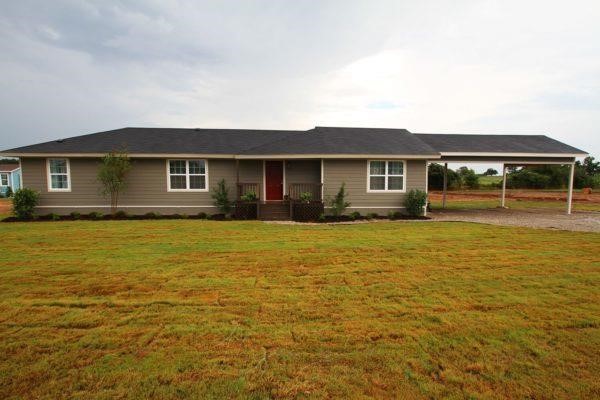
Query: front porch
[{"x": 283, "y": 186}]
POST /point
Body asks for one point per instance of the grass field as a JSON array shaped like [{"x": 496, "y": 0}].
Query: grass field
[
  {"x": 201, "y": 309},
  {"x": 489, "y": 181}
]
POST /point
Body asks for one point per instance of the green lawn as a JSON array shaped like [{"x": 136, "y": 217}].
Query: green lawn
[
  {"x": 202, "y": 309},
  {"x": 489, "y": 181}
]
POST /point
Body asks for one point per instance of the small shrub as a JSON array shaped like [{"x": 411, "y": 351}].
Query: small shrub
[
  {"x": 75, "y": 215},
  {"x": 9, "y": 192},
  {"x": 121, "y": 214},
  {"x": 202, "y": 215},
  {"x": 372, "y": 215},
  {"x": 528, "y": 179},
  {"x": 152, "y": 215},
  {"x": 249, "y": 196},
  {"x": 338, "y": 203},
  {"x": 355, "y": 215},
  {"x": 24, "y": 202},
  {"x": 394, "y": 215},
  {"x": 321, "y": 218},
  {"x": 184, "y": 216},
  {"x": 471, "y": 181},
  {"x": 305, "y": 197},
  {"x": 221, "y": 196},
  {"x": 52, "y": 217},
  {"x": 415, "y": 202},
  {"x": 95, "y": 215}
]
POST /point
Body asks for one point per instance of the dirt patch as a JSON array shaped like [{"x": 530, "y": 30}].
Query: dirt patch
[
  {"x": 546, "y": 219},
  {"x": 5, "y": 206},
  {"x": 465, "y": 195}
]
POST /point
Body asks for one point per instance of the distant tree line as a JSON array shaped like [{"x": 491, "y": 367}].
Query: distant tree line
[
  {"x": 587, "y": 174},
  {"x": 462, "y": 178}
]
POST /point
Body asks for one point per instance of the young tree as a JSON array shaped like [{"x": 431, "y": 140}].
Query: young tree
[
  {"x": 436, "y": 177},
  {"x": 338, "y": 203},
  {"x": 221, "y": 196},
  {"x": 590, "y": 166},
  {"x": 468, "y": 177},
  {"x": 490, "y": 172},
  {"x": 111, "y": 174}
]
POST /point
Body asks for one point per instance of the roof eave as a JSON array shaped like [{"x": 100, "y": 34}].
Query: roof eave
[
  {"x": 231, "y": 156},
  {"x": 502, "y": 154}
]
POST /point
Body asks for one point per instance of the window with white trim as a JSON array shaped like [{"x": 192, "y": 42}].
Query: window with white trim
[
  {"x": 386, "y": 176},
  {"x": 3, "y": 179},
  {"x": 59, "y": 174},
  {"x": 187, "y": 175}
]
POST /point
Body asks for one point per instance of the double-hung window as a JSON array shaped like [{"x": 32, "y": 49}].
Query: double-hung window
[
  {"x": 187, "y": 175},
  {"x": 386, "y": 176},
  {"x": 59, "y": 175},
  {"x": 3, "y": 179}
]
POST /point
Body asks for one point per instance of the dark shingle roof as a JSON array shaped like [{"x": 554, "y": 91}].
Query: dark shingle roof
[
  {"x": 160, "y": 141},
  {"x": 460, "y": 143},
  {"x": 329, "y": 140},
  {"x": 320, "y": 140}
]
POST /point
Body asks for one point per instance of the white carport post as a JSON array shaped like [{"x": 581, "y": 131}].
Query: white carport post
[
  {"x": 445, "y": 187},
  {"x": 503, "y": 200},
  {"x": 570, "y": 194}
]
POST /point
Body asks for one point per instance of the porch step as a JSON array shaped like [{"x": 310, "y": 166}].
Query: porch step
[{"x": 274, "y": 211}]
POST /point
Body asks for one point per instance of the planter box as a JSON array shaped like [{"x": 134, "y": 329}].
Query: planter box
[
  {"x": 307, "y": 211},
  {"x": 246, "y": 210}
]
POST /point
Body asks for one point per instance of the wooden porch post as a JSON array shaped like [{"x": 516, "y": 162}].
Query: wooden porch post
[
  {"x": 237, "y": 177},
  {"x": 570, "y": 194},
  {"x": 503, "y": 200},
  {"x": 322, "y": 180},
  {"x": 445, "y": 187},
  {"x": 426, "y": 187}
]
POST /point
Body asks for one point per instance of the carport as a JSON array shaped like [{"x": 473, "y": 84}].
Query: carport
[{"x": 508, "y": 150}]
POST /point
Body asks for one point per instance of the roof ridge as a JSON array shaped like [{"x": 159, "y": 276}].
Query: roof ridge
[{"x": 361, "y": 127}]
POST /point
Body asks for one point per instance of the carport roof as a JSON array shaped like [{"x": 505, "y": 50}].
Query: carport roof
[{"x": 462, "y": 144}]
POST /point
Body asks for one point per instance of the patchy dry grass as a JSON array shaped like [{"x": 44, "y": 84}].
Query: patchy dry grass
[{"x": 200, "y": 309}]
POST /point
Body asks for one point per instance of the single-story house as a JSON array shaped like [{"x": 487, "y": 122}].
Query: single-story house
[
  {"x": 10, "y": 177},
  {"x": 176, "y": 170}
]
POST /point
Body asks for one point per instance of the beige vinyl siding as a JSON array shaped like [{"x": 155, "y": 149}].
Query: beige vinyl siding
[
  {"x": 354, "y": 174},
  {"x": 146, "y": 184},
  {"x": 251, "y": 171},
  {"x": 303, "y": 171},
  {"x": 65, "y": 210}
]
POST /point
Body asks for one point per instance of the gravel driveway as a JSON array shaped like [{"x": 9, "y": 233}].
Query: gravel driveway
[{"x": 532, "y": 218}]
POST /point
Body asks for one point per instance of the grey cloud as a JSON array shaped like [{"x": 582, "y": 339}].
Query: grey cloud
[{"x": 75, "y": 66}]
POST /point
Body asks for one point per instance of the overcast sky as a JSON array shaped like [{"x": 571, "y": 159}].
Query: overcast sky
[{"x": 75, "y": 67}]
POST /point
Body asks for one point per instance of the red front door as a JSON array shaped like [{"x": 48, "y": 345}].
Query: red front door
[{"x": 274, "y": 180}]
